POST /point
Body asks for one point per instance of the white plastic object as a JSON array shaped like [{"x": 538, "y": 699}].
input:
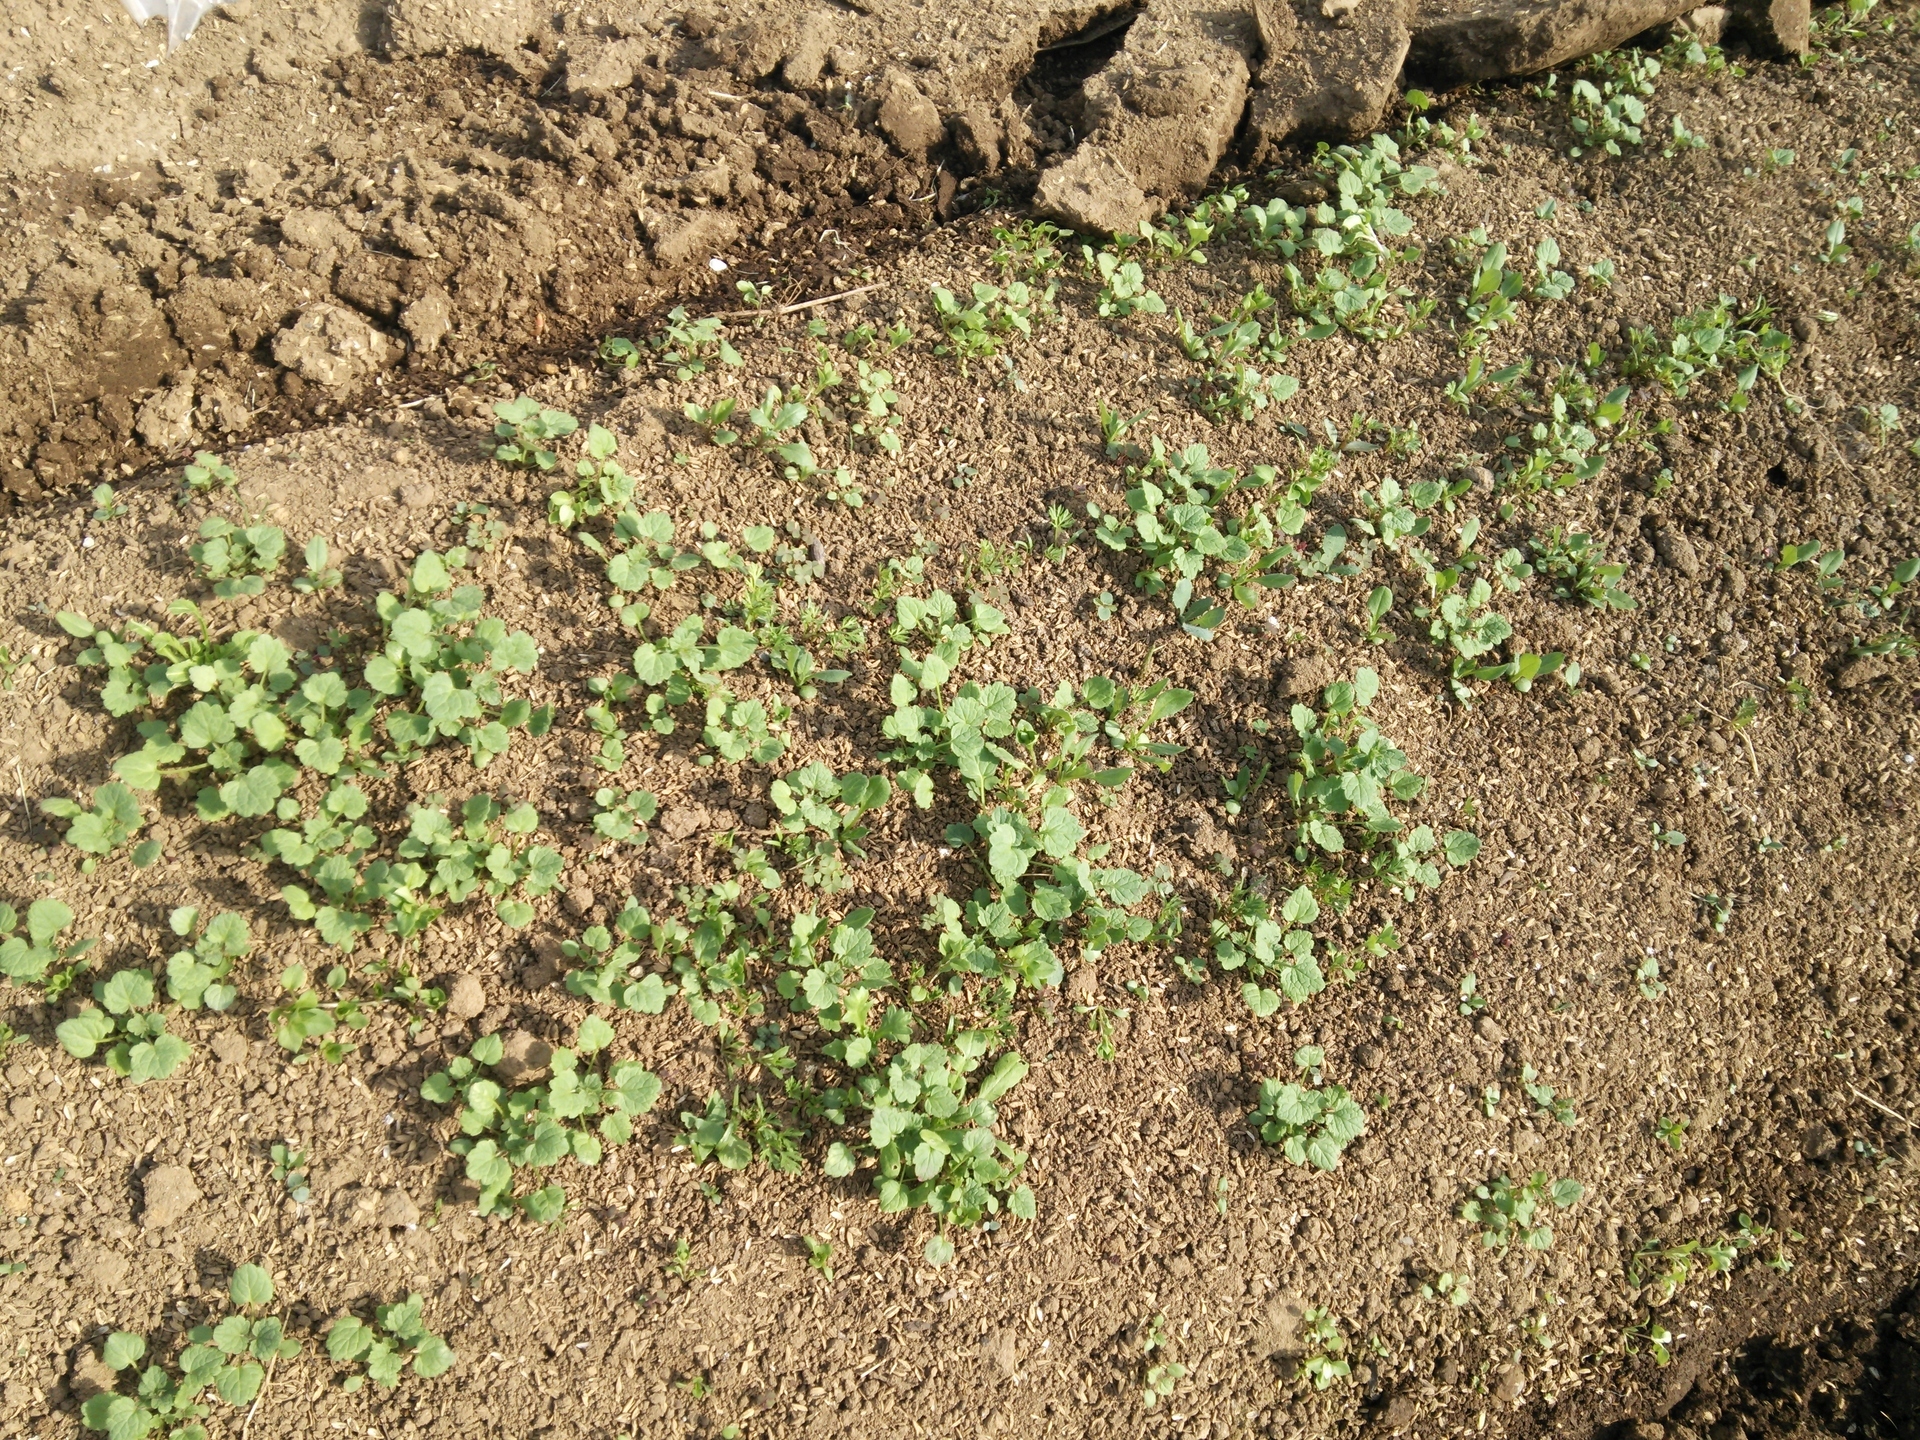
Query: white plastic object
[{"x": 181, "y": 16}]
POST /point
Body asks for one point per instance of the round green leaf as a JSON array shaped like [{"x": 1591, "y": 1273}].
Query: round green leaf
[{"x": 251, "y": 1285}]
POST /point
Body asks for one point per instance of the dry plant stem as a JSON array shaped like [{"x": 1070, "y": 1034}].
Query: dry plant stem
[
  {"x": 1884, "y": 1109},
  {"x": 801, "y": 304},
  {"x": 247, "y": 1424}
]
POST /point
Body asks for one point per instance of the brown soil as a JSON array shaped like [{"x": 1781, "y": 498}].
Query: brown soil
[{"x": 1786, "y": 763}]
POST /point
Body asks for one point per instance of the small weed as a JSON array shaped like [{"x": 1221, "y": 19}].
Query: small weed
[
  {"x": 1506, "y": 1212},
  {"x": 1672, "y": 1131},
  {"x": 321, "y": 574},
  {"x": 1311, "y": 1125},
  {"x": 40, "y": 958},
  {"x": 1325, "y": 1359},
  {"x": 527, "y": 431},
  {"x": 397, "y": 1338},
  {"x": 207, "y": 474},
  {"x": 819, "y": 1257}
]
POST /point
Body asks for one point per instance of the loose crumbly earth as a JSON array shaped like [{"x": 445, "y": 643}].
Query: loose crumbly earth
[{"x": 1744, "y": 726}]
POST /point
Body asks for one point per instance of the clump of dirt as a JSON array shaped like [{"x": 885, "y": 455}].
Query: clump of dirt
[{"x": 502, "y": 181}]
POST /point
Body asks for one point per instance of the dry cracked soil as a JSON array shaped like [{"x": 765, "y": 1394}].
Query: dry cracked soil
[{"x": 332, "y": 245}]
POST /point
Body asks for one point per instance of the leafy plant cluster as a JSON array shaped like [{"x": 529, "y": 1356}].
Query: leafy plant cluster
[
  {"x": 41, "y": 959},
  {"x": 1718, "y": 338},
  {"x": 1343, "y": 776},
  {"x": 587, "y": 1103},
  {"x": 1507, "y": 1211},
  {"x": 1311, "y": 1124},
  {"x": 1205, "y": 536},
  {"x": 440, "y": 862},
  {"x": 1349, "y": 242},
  {"x": 1232, "y": 386},
  {"x": 229, "y": 1358}
]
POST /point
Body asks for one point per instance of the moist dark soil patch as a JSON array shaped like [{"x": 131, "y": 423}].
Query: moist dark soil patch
[{"x": 1729, "y": 793}]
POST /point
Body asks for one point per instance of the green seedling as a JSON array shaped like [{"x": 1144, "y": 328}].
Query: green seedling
[
  {"x": 934, "y": 1147},
  {"x": 1065, "y": 530},
  {"x": 133, "y": 1035},
  {"x": 106, "y": 505},
  {"x": 1548, "y": 283},
  {"x": 579, "y": 1111},
  {"x": 1243, "y": 785},
  {"x": 1507, "y": 1212},
  {"x": 976, "y": 330},
  {"x": 1713, "y": 339},
  {"x": 1472, "y": 1002},
  {"x": 1349, "y": 243},
  {"x": 302, "y": 1016},
  {"x": 641, "y": 558},
  {"x": 237, "y": 561},
  {"x": 197, "y": 975},
  {"x": 290, "y": 1170},
  {"x": 600, "y": 485},
  {"x": 1455, "y": 1290},
  {"x": 1248, "y": 935},
  {"x": 102, "y": 827},
  {"x": 1665, "y": 1270},
  {"x": 41, "y": 958},
  {"x": 1123, "y": 285},
  {"x": 822, "y": 820},
  {"x": 1571, "y": 441},
  {"x": 1013, "y": 929},
  {"x": 1544, "y": 1096},
  {"x": 1161, "y": 1376},
  {"x": 1499, "y": 384},
  {"x": 1652, "y": 987},
  {"x": 1325, "y": 1359},
  {"x": 442, "y": 653},
  {"x": 819, "y": 1257},
  {"x": 1577, "y": 567},
  {"x": 527, "y": 432},
  {"x": 624, "y": 817},
  {"x": 875, "y": 420},
  {"x": 1379, "y": 604},
  {"x": 1492, "y": 293},
  {"x": 1028, "y": 250},
  {"x": 320, "y": 574},
  {"x": 1672, "y": 1131},
  {"x": 208, "y": 473},
  {"x": 736, "y": 1131},
  {"x": 1610, "y": 114},
  {"x": 397, "y": 1338},
  {"x": 1202, "y": 541},
  {"x": 1312, "y": 1125},
  {"x": 1343, "y": 775},
  {"x": 685, "y": 348}
]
